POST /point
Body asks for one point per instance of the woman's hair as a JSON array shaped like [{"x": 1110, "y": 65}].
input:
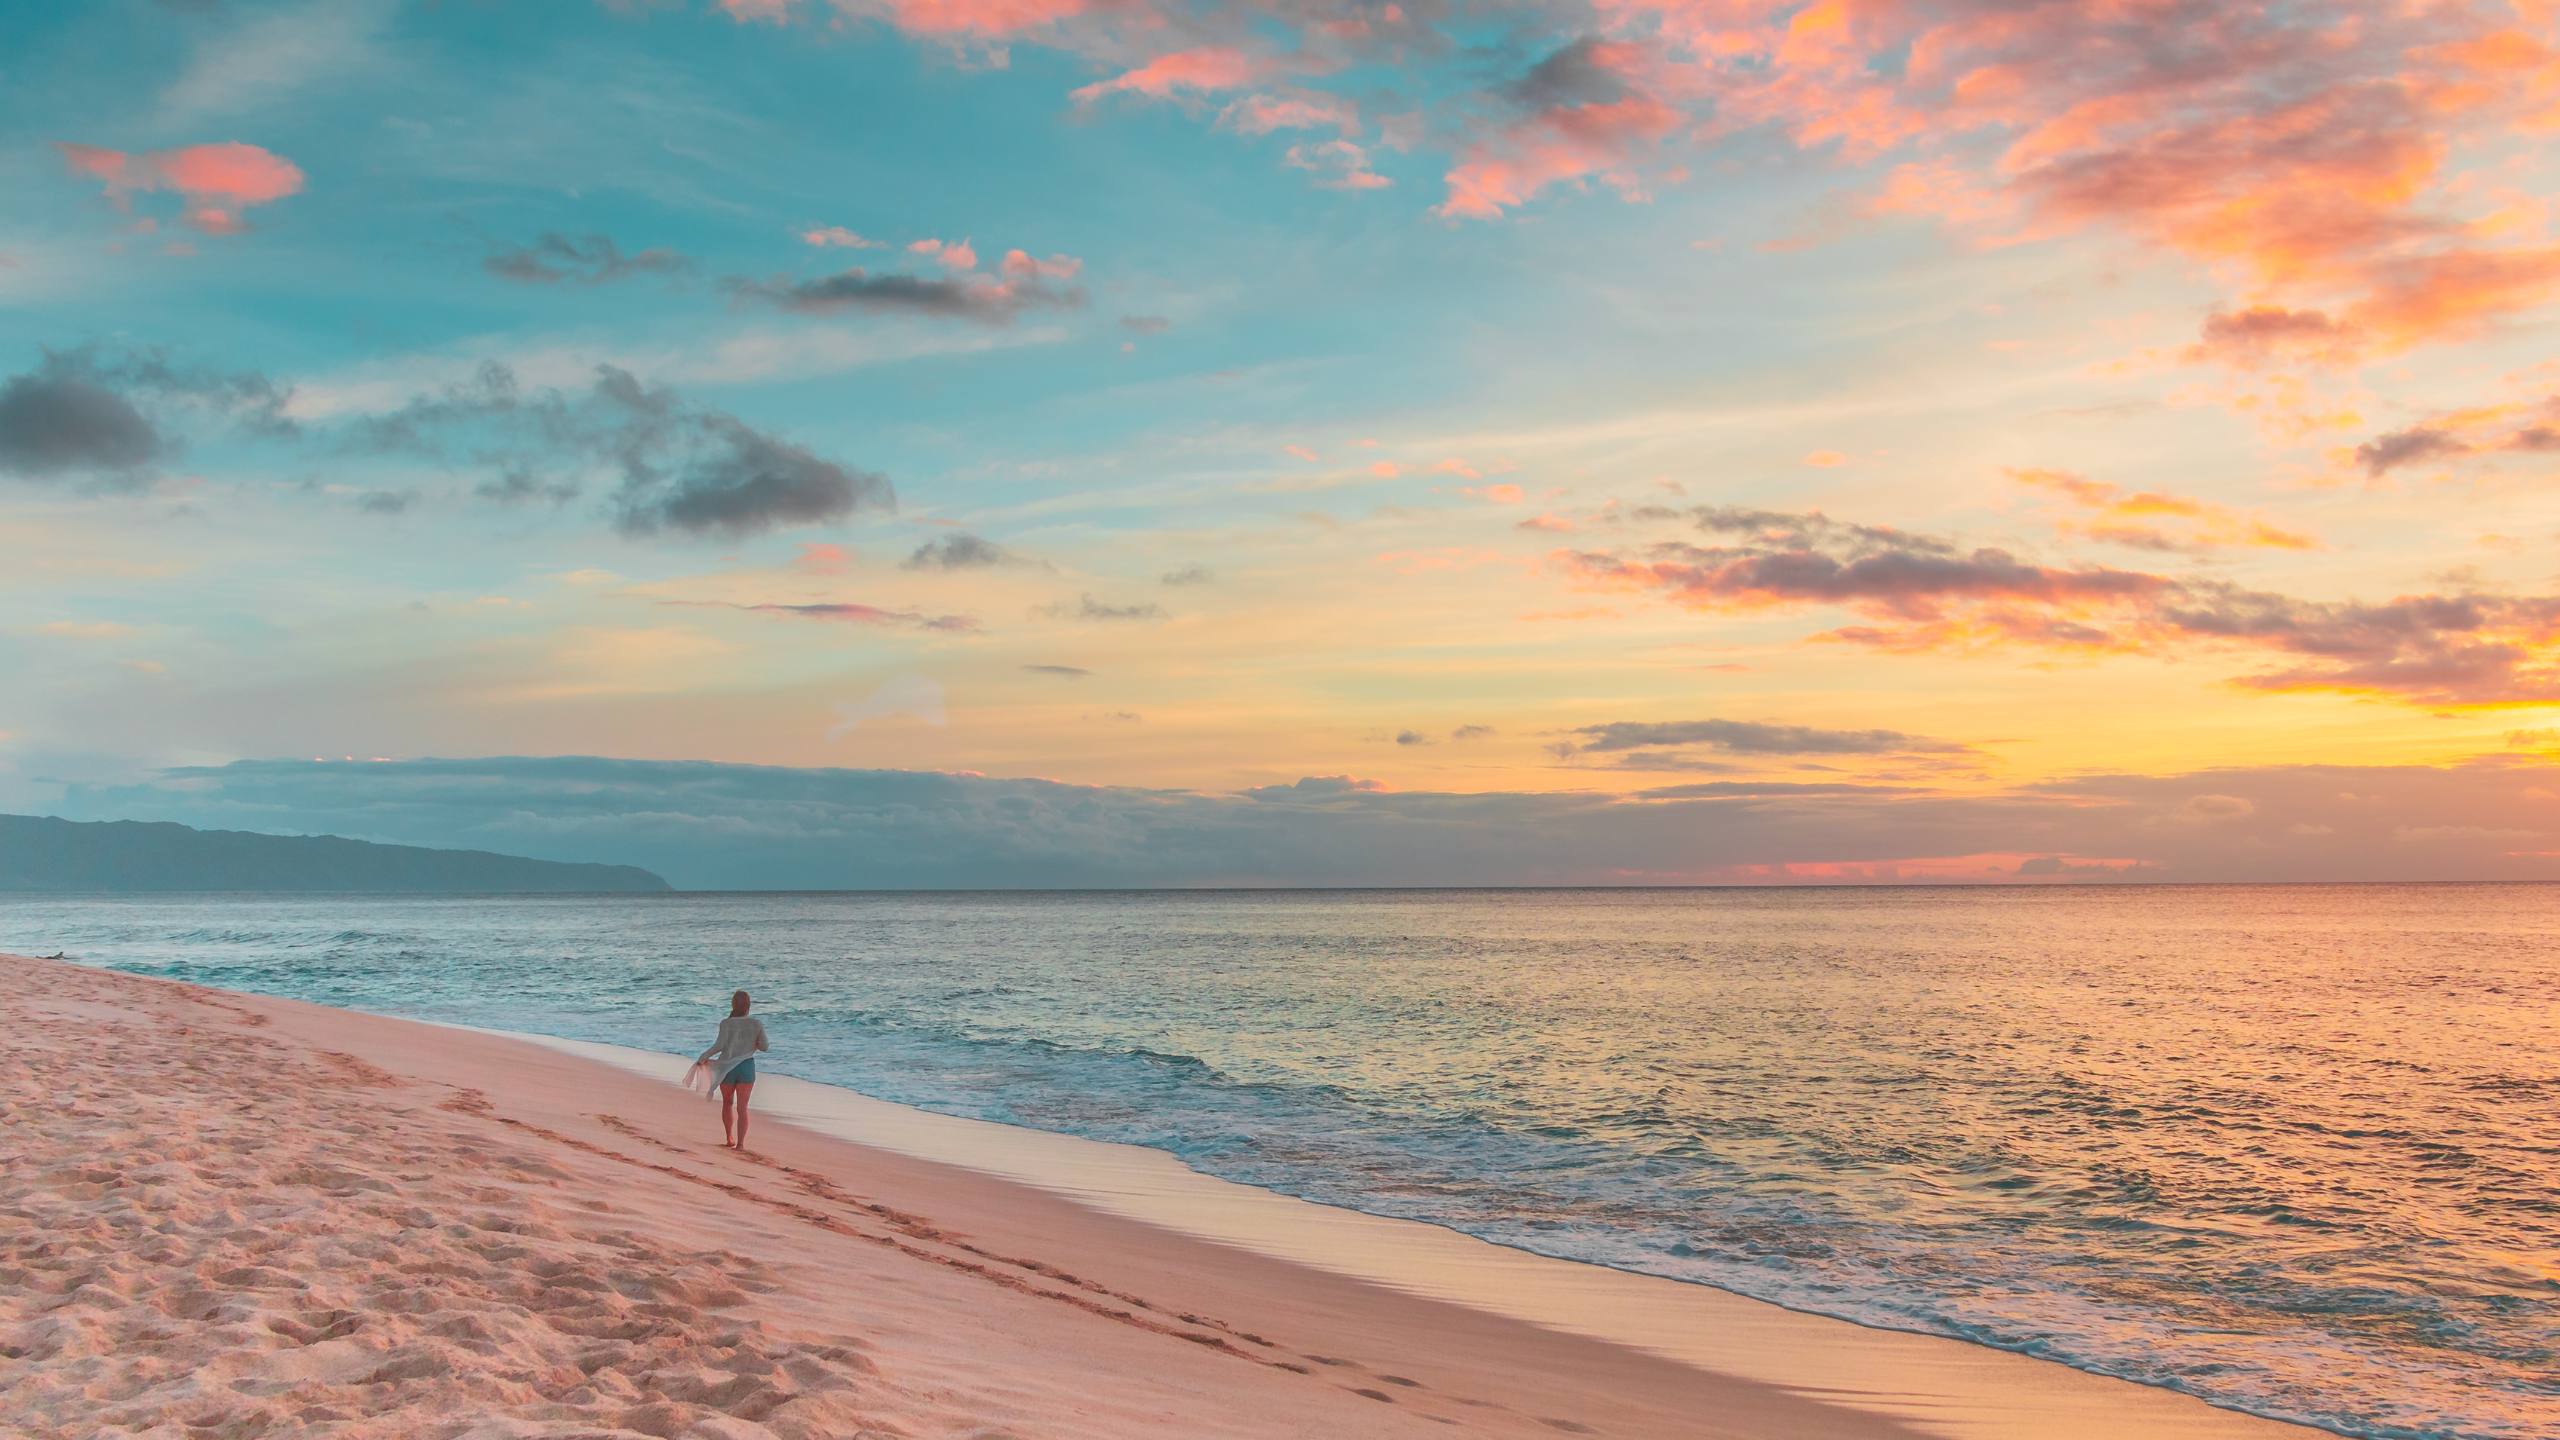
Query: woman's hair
[{"x": 738, "y": 1003}]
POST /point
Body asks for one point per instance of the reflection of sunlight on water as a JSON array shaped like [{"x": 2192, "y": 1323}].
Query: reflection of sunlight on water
[{"x": 2277, "y": 1145}]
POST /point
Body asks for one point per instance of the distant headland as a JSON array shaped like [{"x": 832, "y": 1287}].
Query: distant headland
[{"x": 44, "y": 853}]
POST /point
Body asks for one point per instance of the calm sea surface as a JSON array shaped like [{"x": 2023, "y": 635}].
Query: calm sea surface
[{"x": 2292, "y": 1148}]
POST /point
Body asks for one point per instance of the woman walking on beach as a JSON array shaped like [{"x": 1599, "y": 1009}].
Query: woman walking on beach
[{"x": 732, "y": 1062}]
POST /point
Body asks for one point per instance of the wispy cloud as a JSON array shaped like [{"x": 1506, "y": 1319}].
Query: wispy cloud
[
  {"x": 557, "y": 259},
  {"x": 843, "y": 613}
]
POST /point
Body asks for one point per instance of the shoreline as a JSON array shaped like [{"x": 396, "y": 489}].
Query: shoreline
[{"x": 1053, "y": 1278}]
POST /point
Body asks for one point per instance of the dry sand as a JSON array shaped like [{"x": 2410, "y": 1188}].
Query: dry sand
[{"x": 224, "y": 1216}]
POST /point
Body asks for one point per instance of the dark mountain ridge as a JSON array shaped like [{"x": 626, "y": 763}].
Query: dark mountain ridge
[{"x": 45, "y": 853}]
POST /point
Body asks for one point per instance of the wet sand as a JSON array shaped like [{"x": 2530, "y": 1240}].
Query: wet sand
[{"x": 227, "y": 1215}]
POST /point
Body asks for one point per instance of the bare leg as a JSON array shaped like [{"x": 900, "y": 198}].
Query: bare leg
[
  {"x": 742, "y": 1092},
  {"x": 728, "y": 1127}
]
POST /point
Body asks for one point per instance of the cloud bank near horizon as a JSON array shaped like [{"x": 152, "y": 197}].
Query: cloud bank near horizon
[{"x": 750, "y": 827}]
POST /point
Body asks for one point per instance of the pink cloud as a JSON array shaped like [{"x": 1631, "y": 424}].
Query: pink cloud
[
  {"x": 971, "y": 17},
  {"x": 840, "y": 237},
  {"x": 214, "y": 182},
  {"x": 1056, "y": 267},
  {"x": 1384, "y": 470},
  {"x": 956, "y": 254},
  {"x": 1301, "y": 451},
  {"x": 1826, "y": 458},
  {"x": 1456, "y": 466},
  {"x": 822, "y": 559},
  {"x": 1564, "y": 140},
  {"x": 2327, "y": 160},
  {"x": 1296, "y": 110},
  {"x": 1209, "y": 67},
  {"x": 1495, "y": 494},
  {"x": 1552, "y": 524}
]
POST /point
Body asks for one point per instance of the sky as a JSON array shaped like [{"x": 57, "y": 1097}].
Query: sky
[{"x": 844, "y": 442}]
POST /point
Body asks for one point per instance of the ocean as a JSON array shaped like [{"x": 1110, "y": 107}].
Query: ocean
[{"x": 2294, "y": 1149}]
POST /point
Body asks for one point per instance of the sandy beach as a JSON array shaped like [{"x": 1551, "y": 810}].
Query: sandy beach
[{"x": 230, "y": 1216}]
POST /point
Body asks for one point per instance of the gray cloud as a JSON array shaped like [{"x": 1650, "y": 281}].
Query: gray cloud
[
  {"x": 1189, "y": 575},
  {"x": 1471, "y": 732},
  {"x": 1412, "y": 737},
  {"x": 745, "y": 483},
  {"x": 1570, "y": 76},
  {"x": 1088, "y": 608},
  {"x": 1145, "y": 324},
  {"x": 518, "y": 484},
  {"x": 739, "y": 826},
  {"x": 1751, "y": 737},
  {"x": 557, "y": 259},
  {"x": 979, "y": 298},
  {"x": 60, "y": 424},
  {"x": 683, "y": 467},
  {"x": 1070, "y": 672},
  {"x": 76, "y": 414},
  {"x": 957, "y": 551},
  {"x": 2385, "y": 453}
]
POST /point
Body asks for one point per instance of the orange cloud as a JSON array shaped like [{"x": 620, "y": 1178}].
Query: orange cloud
[
  {"x": 214, "y": 182},
  {"x": 2120, "y": 519},
  {"x": 1495, "y": 494},
  {"x": 1826, "y": 458}
]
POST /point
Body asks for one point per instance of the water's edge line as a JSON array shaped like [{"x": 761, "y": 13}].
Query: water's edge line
[
  {"x": 1808, "y": 1359},
  {"x": 1147, "y": 1185}
]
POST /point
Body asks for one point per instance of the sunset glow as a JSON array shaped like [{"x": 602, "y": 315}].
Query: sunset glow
[{"x": 1772, "y": 442}]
